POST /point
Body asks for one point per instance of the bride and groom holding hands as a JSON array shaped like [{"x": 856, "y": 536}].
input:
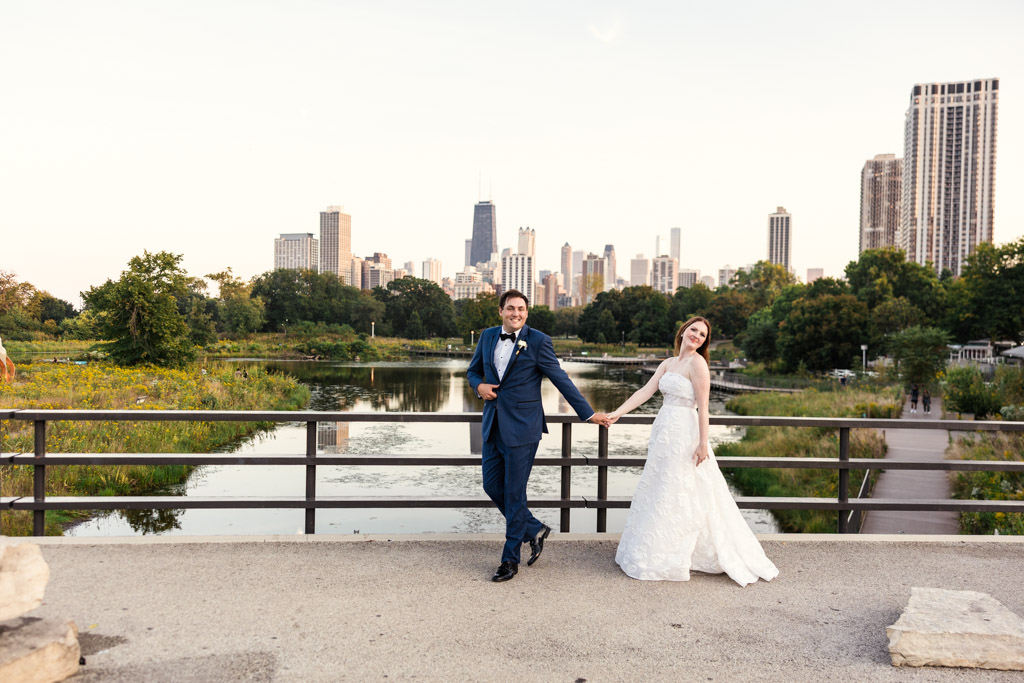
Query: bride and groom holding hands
[{"x": 682, "y": 516}]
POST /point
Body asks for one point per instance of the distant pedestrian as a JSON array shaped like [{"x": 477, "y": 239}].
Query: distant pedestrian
[
  {"x": 926, "y": 401},
  {"x": 913, "y": 398}
]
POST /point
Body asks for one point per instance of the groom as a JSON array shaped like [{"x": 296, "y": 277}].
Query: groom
[{"x": 506, "y": 371}]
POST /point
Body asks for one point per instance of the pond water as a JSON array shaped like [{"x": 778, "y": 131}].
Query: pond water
[{"x": 438, "y": 386}]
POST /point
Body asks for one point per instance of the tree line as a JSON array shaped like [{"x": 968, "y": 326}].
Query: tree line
[{"x": 156, "y": 312}]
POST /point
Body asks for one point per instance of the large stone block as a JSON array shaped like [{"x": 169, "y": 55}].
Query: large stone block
[
  {"x": 957, "y": 628},
  {"x": 36, "y": 650},
  {"x": 23, "y": 577}
]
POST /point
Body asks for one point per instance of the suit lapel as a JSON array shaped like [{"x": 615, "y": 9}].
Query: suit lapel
[
  {"x": 517, "y": 350},
  {"x": 491, "y": 343}
]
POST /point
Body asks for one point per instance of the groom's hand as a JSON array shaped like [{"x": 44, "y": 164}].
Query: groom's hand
[
  {"x": 601, "y": 419},
  {"x": 487, "y": 391}
]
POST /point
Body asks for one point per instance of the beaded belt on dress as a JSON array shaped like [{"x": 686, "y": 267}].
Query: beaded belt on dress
[{"x": 680, "y": 401}]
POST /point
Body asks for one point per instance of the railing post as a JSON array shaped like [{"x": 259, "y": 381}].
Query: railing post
[
  {"x": 602, "y": 478},
  {"x": 39, "y": 480},
  {"x": 310, "y": 476},
  {"x": 844, "y": 478},
  {"x": 563, "y": 525}
]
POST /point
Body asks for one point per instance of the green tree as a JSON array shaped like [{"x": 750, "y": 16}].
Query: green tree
[
  {"x": 891, "y": 317},
  {"x": 763, "y": 283},
  {"x": 690, "y": 301},
  {"x": 476, "y": 314},
  {"x": 567, "y": 320},
  {"x": 606, "y": 328},
  {"x": 760, "y": 337},
  {"x": 920, "y": 353},
  {"x": 542, "y": 318},
  {"x": 966, "y": 392},
  {"x": 729, "y": 312},
  {"x": 994, "y": 277},
  {"x": 409, "y": 294},
  {"x": 652, "y": 324},
  {"x": 139, "y": 312},
  {"x": 882, "y": 274},
  {"x": 238, "y": 311},
  {"x": 824, "y": 332}
]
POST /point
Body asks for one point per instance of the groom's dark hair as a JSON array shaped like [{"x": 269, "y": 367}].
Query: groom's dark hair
[{"x": 512, "y": 294}]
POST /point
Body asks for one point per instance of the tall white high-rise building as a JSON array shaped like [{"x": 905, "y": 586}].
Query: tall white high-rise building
[
  {"x": 687, "y": 277},
  {"x": 611, "y": 275},
  {"x": 675, "y": 240},
  {"x": 814, "y": 274},
  {"x": 518, "y": 271},
  {"x": 527, "y": 242},
  {"x": 880, "y": 202},
  {"x": 725, "y": 275},
  {"x": 566, "y": 267},
  {"x": 593, "y": 277},
  {"x": 469, "y": 252},
  {"x": 432, "y": 270},
  {"x": 708, "y": 281},
  {"x": 577, "y": 270},
  {"x": 296, "y": 250},
  {"x": 336, "y": 243},
  {"x": 780, "y": 242},
  {"x": 639, "y": 271},
  {"x": 665, "y": 274},
  {"x": 949, "y": 172}
]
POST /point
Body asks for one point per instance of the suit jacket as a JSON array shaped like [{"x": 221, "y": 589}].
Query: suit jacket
[{"x": 518, "y": 406}]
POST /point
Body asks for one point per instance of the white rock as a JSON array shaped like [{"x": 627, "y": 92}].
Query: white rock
[
  {"x": 957, "y": 628},
  {"x": 36, "y": 650},
  {"x": 23, "y": 577}
]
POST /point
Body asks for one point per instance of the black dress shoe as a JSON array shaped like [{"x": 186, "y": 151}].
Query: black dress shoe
[
  {"x": 537, "y": 545},
  {"x": 505, "y": 572}
]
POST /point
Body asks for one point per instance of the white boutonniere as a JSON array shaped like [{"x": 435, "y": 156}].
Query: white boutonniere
[{"x": 521, "y": 344}]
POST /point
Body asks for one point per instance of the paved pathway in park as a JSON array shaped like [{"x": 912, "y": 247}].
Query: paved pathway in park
[
  {"x": 359, "y": 608},
  {"x": 913, "y": 444}
]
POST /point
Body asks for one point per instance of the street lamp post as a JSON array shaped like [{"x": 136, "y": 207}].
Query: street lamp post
[
  {"x": 472, "y": 337},
  {"x": 864, "y": 357},
  {"x": 372, "y": 329}
]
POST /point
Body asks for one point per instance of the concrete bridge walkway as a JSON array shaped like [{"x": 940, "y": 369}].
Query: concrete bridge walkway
[
  {"x": 358, "y": 608},
  {"x": 913, "y": 444}
]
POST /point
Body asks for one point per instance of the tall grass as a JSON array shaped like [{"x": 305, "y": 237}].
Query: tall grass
[
  {"x": 989, "y": 485},
  {"x": 805, "y": 442},
  {"x": 104, "y": 386}
]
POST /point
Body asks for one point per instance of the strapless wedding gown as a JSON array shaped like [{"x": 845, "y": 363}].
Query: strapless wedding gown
[{"x": 683, "y": 517}]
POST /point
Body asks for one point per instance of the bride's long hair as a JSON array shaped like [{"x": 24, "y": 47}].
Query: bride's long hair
[{"x": 702, "y": 351}]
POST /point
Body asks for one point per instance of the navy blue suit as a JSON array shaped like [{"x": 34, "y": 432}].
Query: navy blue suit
[{"x": 514, "y": 422}]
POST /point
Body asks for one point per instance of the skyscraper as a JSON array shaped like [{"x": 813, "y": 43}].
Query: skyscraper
[
  {"x": 949, "y": 171},
  {"x": 665, "y": 274},
  {"x": 880, "y": 202},
  {"x": 780, "y": 232},
  {"x": 298, "y": 250},
  {"x": 611, "y": 276},
  {"x": 432, "y": 270},
  {"x": 675, "y": 238},
  {"x": 814, "y": 274},
  {"x": 593, "y": 276},
  {"x": 469, "y": 252},
  {"x": 566, "y": 267},
  {"x": 639, "y": 271},
  {"x": 687, "y": 277},
  {"x": 725, "y": 275},
  {"x": 336, "y": 243},
  {"x": 577, "y": 269},
  {"x": 527, "y": 241},
  {"x": 517, "y": 272},
  {"x": 485, "y": 233}
]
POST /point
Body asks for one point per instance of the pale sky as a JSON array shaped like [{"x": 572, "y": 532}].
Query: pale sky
[{"x": 207, "y": 128}]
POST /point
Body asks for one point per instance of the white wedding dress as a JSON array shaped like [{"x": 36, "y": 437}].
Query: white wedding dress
[{"x": 683, "y": 517}]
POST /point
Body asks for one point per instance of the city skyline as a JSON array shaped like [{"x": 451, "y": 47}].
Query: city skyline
[{"x": 559, "y": 114}]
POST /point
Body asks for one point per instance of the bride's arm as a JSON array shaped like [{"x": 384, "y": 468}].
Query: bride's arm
[
  {"x": 641, "y": 395},
  {"x": 700, "y": 377}
]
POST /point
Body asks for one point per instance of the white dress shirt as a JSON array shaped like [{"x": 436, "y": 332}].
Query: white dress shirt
[{"x": 503, "y": 352}]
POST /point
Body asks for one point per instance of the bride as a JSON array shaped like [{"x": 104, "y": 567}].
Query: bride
[{"x": 683, "y": 517}]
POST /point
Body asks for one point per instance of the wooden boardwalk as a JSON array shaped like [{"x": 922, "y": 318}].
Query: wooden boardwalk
[{"x": 914, "y": 444}]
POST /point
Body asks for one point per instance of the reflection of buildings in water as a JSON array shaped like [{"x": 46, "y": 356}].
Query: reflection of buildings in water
[
  {"x": 332, "y": 437},
  {"x": 470, "y": 404}
]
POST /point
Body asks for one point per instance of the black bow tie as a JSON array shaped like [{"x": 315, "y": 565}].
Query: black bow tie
[{"x": 511, "y": 336}]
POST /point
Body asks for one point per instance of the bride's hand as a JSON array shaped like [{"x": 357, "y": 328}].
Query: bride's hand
[
  {"x": 700, "y": 455},
  {"x": 612, "y": 419}
]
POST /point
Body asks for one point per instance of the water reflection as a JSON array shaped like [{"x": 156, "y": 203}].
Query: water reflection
[{"x": 435, "y": 386}]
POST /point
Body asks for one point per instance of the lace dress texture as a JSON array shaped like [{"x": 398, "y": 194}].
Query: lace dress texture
[{"x": 683, "y": 517}]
